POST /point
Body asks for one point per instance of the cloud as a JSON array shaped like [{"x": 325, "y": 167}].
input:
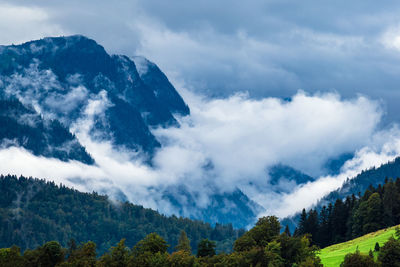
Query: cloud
[
  {"x": 19, "y": 23},
  {"x": 268, "y": 48},
  {"x": 243, "y": 136},
  {"x": 225, "y": 144},
  {"x": 305, "y": 196}
]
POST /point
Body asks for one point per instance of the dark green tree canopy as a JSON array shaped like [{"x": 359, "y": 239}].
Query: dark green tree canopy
[{"x": 206, "y": 248}]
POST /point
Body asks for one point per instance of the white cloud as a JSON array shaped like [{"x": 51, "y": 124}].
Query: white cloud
[
  {"x": 243, "y": 136},
  {"x": 262, "y": 47},
  {"x": 224, "y": 144},
  {"x": 22, "y": 23},
  {"x": 306, "y": 195}
]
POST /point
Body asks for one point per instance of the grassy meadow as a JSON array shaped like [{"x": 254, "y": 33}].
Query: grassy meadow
[{"x": 333, "y": 256}]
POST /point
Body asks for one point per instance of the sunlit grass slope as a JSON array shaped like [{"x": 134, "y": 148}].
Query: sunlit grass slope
[{"x": 334, "y": 255}]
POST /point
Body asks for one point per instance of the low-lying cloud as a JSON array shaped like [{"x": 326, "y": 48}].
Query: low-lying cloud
[{"x": 225, "y": 144}]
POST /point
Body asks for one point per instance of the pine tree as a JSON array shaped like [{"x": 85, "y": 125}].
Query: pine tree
[
  {"x": 287, "y": 230},
  {"x": 323, "y": 237},
  {"x": 206, "y": 248},
  {"x": 302, "y": 228},
  {"x": 183, "y": 243},
  {"x": 377, "y": 247},
  {"x": 312, "y": 224},
  {"x": 390, "y": 203},
  {"x": 373, "y": 220}
]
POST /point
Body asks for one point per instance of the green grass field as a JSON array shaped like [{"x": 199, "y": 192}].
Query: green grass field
[{"x": 333, "y": 256}]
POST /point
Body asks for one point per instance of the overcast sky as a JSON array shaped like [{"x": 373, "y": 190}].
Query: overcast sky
[
  {"x": 339, "y": 62},
  {"x": 268, "y": 48}
]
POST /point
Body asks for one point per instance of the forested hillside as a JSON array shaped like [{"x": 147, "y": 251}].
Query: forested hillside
[
  {"x": 377, "y": 208},
  {"x": 34, "y": 211},
  {"x": 354, "y": 186},
  {"x": 261, "y": 246},
  {"x": 362, "y": 181}
]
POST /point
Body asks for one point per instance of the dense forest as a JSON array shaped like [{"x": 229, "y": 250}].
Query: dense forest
[
  {"x": 354, "y": 186},
  {"x": 357, "y": 185},
  {"x": 34, "y": 211},
  {"x": 377, "y": 208},
  {"x": 261, "y": 246}
]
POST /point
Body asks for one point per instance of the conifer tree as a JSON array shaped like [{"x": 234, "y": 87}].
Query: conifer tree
[
  {"x": 206, "y": 248},
  {"x": 183, "y": 243},
  {"x": 287, "y": 230}
]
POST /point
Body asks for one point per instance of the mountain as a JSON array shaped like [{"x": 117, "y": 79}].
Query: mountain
[
  {"x": 154, "y": 78},
  {"x": 22, "y": 126},
  {"x": 234, "y": 207},
  {"x": 357, "y": 185},
  {"x": 353, "y": 186},
  {"x": 61, "y": 76},
  {"x": 34, "y": 211},
  {"x": 284, "y": 178},
  {"x": 70, "y": 84}
]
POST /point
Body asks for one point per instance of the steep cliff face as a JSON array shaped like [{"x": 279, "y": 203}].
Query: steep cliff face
[
  {"x": 54, "y": 87},
  {"x": 61, "y": 76},
  {"x": 22, "y": 126}
]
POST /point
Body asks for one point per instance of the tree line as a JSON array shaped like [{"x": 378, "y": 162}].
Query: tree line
[
  {"x": 377, "y": 208},
  {"x": 263, "y": 245},
  {"x": 33, "y": 212}
]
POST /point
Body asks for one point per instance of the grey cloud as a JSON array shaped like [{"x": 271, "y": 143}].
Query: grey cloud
[{"x": 268, "y": 48}]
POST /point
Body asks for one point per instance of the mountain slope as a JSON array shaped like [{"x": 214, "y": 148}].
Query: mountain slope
[
  {"x": 154, "y": 78},
  {"x": 34, "y": 211},
  {"x": 333, "y": 255},
  {"x": 356, "y": 186},
  {"x": 362, "y": 181},
  {"x": 234, "y": 207},
  {"x": 72, "y": 83},
  {"x": 23, "y": 127},
  {"x": 60, "y": 76}
]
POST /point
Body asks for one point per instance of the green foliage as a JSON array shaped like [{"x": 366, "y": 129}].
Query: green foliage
[
  {"x": 357, "y": 259},
  {"x": 272, "y": 254},
  {"x": 377, "y": 247},
  {"x": 183, "y": 243},
  {"x": 33, "y": 212},
  {"x": 206, "y": 248},
  {"x": 264, "y": 245},
  {"x": 151, "y": 251},
  {"x": 389, "y": 254},
  {"x": 11, "y": 257},
  {"x": 265, "y": 230},
  {"x": 117, "y": 256},
  {"x": 48, "y": 255},
  {"x": 345, "y": 220},
  {"x": 244, "y": 243},
  {"x": 83, "y": 256},
  {"x": 152, "y": 243},
  {"x": 182, "y": 258}
]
